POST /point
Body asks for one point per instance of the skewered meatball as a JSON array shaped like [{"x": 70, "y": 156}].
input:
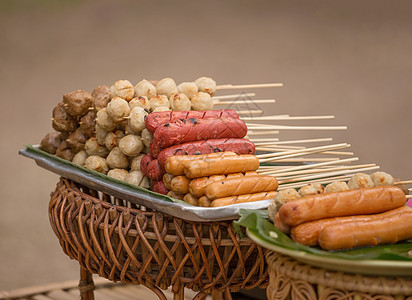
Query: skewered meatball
[
  {"x": 87, "y": 123},
  {"x": 206, "y": 84},
  {"x": 137, "y": 119},
  {"x": 135, "y": 163},
  {"x": 93, "y": 148},
  {"x": 180, "y": 102},
  {"x": 77, "y": 103},
  {"x": 112, "y": 139},
  {"x": 145, "y": 89},
  {"x": 100, "y": 97},
  {"x": 188, "y": 88},
  {"x": 202, "y": 101},
  {"x": 147, "y": 137},
  {"x": 281, "y": 198},
  {"x": 76, "y": 140},
  {"x": 161, "y": 108},
  {"x": 159, "y": 100},
  {"x": 119, "y": 174},
  {"x": 51, "y": 142},
  {"x": 104, "y": 120},
  {"x": 166, "y": 86},
  {"x": 62, "y": 121},
  {"x": 311, "y": 189},
  {"x": 360, "y": 180},
  {"x": 382, "y": 178},
  {"x": 141, "y": 101},
  {"x": 96, "y": 163},
  {"x": 131, "y": 145},
  {"x": 64, "y": 151},
  {"x": 336, "y": 186},
  {"x": 100, "y": 135},
  {"x": 123, "y": 89},
  {"x": 118, "y": 109},
  {"x": 117, "y": 160},
  {"x": 80, "y": 158},
  {"x": 135, "y": 178}
]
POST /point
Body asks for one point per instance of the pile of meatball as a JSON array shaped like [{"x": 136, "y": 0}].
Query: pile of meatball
[{"x": 105, "y": 131}]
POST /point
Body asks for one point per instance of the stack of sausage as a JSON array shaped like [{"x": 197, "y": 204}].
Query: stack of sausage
[
  {"x": 373, "y": 212},
  {"x": 217, "y": 179},
  {"x": 191, "y": 133}
]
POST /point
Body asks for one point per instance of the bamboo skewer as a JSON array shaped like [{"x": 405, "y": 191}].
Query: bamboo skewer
[
  {"x": 240, "y": 101},
  {"x": 264, "y": 139},
  {"x": 304, "y": 151},
  {"x": 247, "y": 86},
  {"x": 279, "y": 118},
  {"x": 263, "y": 133},
  {"x": 408, "y": 197},
  {"x": 250, "y": 112},
  {"x": 290, "y": 175},
  {"x": 236, "y": 96},
  {"x": 262, "y": 127},
  {"x": 294, "y": 142},
  {"x": 300, "y": 159},
  {"x": 321, "y": 181},
  {"x": 403, "y": 182},
  {"x": 288, "y": 149},
  {"x": 303, "y": 167}
]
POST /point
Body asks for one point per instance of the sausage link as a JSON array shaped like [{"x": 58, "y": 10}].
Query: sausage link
[
  {"x": 180, "y": 184},
  {"x": 385, "y": 228},
  {"x": 167, "y": 178},
  {"x": 144, "y": 163},
  {"x": 159, "y": 187},
  {"x": 155, "y": 171},
  {"x": 176, "y": 164},
  {"x": 190, "y": 130},
  {"x": 221, "y": 165},
  {"x": 345, "y": 203},
  {"x": 189, "y": 198},
  {"x": 243, "y": 198},
  {"x": 157, "y": 119},
  {"x": 238, "y": 146},
  {"x": 240, "y": 186}
]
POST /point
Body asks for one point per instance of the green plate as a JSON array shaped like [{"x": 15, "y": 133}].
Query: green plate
[{"x": 384, "y": 260}]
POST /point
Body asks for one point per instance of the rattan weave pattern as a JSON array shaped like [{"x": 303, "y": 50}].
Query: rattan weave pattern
[
  {"x": 127, "y": 243},
  {"x": 290, "y": 279}
]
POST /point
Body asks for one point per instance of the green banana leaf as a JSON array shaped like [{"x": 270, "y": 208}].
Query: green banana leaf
[{"x": 257, "y": 223}]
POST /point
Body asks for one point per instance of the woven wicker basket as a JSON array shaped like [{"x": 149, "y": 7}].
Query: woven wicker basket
[
  {"x": 123, "y": 242},
  {"x": 290, "y": 279}
]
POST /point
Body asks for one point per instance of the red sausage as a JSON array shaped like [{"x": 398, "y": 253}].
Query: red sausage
[
  {"x": 145, "y": 162},
  {"x": 239, "y": 146},
  {"x": 190, "y": 130},
  {"x": 159, "y": 187},
  {"x": 154, "y": 150},
  {"x": 157, "y": 119},
  {"x": 155, "y": 171}
]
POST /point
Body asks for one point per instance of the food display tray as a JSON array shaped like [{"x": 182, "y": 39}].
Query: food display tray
[{"x": 135, "y": 194}]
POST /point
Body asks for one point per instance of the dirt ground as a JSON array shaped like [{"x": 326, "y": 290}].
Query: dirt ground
[{"x": 351, "y": 59}]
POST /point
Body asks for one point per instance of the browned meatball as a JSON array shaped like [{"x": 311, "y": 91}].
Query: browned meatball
[
  {"x": 62, "y": 121},
  {"x": 101, "y": 96},
  {"x": 51, "y": 142},
  {"x": 88, "y": 123},
  {"x": 76, "y": 140},
  {"x": 77, "y": 103},
  {"x": 64, "y": 151}
]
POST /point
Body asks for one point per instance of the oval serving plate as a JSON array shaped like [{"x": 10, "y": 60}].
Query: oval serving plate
[{"x": 361, "y": 266}]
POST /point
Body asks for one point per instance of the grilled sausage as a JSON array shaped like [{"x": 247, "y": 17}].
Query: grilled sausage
[
  {"x": 280, "y": 225},
  {"x": 190, "y": 130},
  {"x": 198, "y": 186},
  {"x": 144, "y": 163},
  {"x": 175, "y": 164},
  {"x": 155, "y": 171},
  {"x": 221, "y": 165},
  {"x": 238, "y": 146},
  {"x": 308, "y": 233},
  {"x": 159, "y": 187},
  {"x": 239, "y": 186},
  {"x": 385, "y": 228},
  {"x": 345, "y": 203},
  {"x": 155, "y": 120},
  {"x": 243, "y": 198},
  {"x": 180, "y": 184},
  {"x": 189, "y": 198}
]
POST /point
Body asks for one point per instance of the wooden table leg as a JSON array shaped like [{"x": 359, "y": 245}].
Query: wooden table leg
[{"x": 86, "y": 285}]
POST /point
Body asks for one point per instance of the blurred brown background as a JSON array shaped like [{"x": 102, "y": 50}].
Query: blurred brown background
[{"x": 351, "y": 58}]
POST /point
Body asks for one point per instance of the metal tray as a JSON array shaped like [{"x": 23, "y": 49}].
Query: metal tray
[{"x": 136, "y": 194}]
